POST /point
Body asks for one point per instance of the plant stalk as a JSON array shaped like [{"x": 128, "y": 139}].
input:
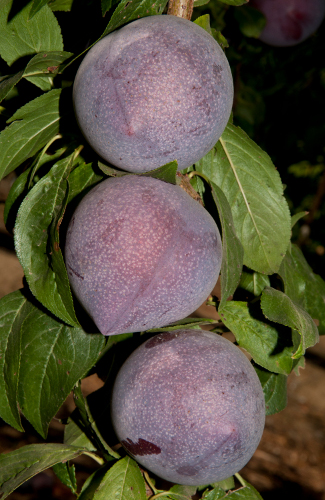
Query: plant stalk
[{"x": 181, "y": 8}]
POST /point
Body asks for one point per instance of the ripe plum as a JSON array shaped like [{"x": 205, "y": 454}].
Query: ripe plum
[
  {"x": 157, "y": 90},
  {"x": 188, "y": 406}
]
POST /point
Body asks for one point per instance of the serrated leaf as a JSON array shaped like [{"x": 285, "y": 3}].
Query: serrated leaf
[
  {"x": 92, "y": 482},
  {"x": 86, "y": 418},
  {"x": 280, "y": 308},
  {"x": 82, "y": 178},
  {"x": 259, "y": 338},
  {"x": 61, "y": 5},
  {"x": 204, "y": 22},
  {"x": 166, "y": 173},
  {"x": 251, "y": 21},
  {"x": 43, "y": 359},
  {"x": 37, "y": 241},
  {"x": 8, "y": 83},
  {"x": 304, "y": 286},
  {"x": 13, "y": 310},
  {"x": 232, "y": 250},
  {"x": 247, "y": 492},
  {"x": 123, "y": 481},
  {"x": 254, "y": 282},
  {"x": 181, "y": 492},
  {"x": 74, "y": 436},
  {"x": 254, "y": 192},
  {"x": 46, "y": 62},
  {"x": 225, "y": 484},
  {"x": 216, "y": 494},
  {"x": 24, "y": 182},
  {"x": 37, "y": 122},
  {"x": 275, "y": 390},
  {"x": 18, "y": 466},
  {"x": 37, "y": 5},
  {"x": 21, "y": 36},
  {"x": 128, "y": 10},
  {"x": 67, "y": 475}
]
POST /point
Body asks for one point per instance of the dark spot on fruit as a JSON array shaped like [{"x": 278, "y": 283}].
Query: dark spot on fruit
[
  {"x": 160, "y": 339},
  {"x": 141, "y": 448},
  {"x": 187, "y": 470}
]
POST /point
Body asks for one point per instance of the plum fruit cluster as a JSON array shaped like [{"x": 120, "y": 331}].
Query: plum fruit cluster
[
  {"x": 141, "y": 253},
  {"x": 188, "y": 405},
  {"x": 289, "y": 22},
  {"x": 157, "y": 90}
]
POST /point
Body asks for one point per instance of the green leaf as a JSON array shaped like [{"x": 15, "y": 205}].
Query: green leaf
[
  {"x": 45, "y": 63},
  {"x": 21, "y": 36},
  {"x": 123, "y": 481},
  {"x": 8, "y": 83},
  {"x": 128, "y": 10},
  {"x": 43, "y": 359},
  {"x": 198, "y": 3},
  {"x": 303, "y": 286},
  {"x": 18, "y": 466},
  {"x": 37, "y": 5},
  {"x": 254, "y": 191},
  {"x": 216, "y": 494},
  {"x": 204, "y": 22},
  {"x": 298, "y": 216},
  {"x": 226, "y": 484},
  {"x": 261, "y": 339},
  {"x": 106, "y": 5},
  {"x": 251, "y": 21},
  {"x": 184, "y": 323},
  {"x": 67, "y": 475},
  {"x": 278, "y": 307},
  {"x": 61, "y": 5},
  {"x": 180, "y": 492},
  {"x": 247, "y": 492},
  {"x": 37, "y": 241},
  {"x": 81, "y": 179},
  {"x": 236, "y": 3},
  {"x": 254, "y": 282},
  {"x": 275, "y": 390},
  {"x": 74, "y": 436},
  {"x": 13, "y": 310},
  {"x": 32, "y": 130},
  {"x": 166, "y": 173},
  {"x": 91, "y": 484},
  {"x": 232, "y": 250},
  {"x": 87, "y": 416}
]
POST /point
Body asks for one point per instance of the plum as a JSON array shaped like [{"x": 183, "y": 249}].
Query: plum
[
  {"x": 157, "y": 90},
  {"x": 289, "y": 22},
  {"x": 188, "y": 406},
  {"x": 141, "y": 253}
]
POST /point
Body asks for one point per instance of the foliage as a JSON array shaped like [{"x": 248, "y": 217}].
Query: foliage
[{"x": 47, "y": 345}]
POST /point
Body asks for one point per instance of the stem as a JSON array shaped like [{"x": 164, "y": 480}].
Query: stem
[
  {"x": 151, "y": 486},
  {"x": 240, "y": 479},
  {"x": 95, "y": 457},
  {"x": 159, "y": 495},
  {"x": 181, "y": 8}
]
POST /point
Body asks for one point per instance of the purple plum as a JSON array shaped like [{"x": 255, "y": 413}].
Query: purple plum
[
  {"x": 189, "y": 407},
  {"x": 289, "y": 22},
  {"x": 157, "y": 90},
  {"x": 141, "y": 253}
]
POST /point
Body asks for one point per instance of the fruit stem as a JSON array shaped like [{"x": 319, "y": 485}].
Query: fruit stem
[
  {"x": 181, "y": 8},
  {"x": 240, "y": 479}
]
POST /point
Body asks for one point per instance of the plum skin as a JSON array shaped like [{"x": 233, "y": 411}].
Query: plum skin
[
  {"x": 289, "y": 22},
  {"x": 189, "y": 407},
  {"x": 156, "y": 90},
  {"x": 141, "y": 253}
]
